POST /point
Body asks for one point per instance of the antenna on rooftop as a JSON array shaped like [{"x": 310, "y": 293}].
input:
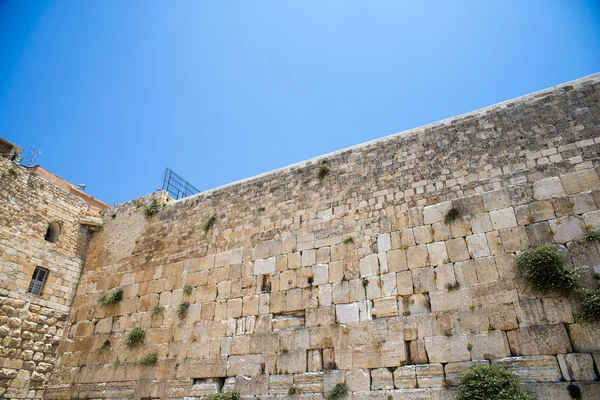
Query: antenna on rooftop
[{"x": 34, "y": 155}]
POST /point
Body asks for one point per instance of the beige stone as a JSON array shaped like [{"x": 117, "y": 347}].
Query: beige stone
[
  {"x": 488, "y": 345},
  {"x": 417, "y": 256},
  {"x": 405, "y": 377},
  {"x": 496, "y": 200},
  {"x": 437, "y": 253},
  {"x": 430, "y": 375},
  {"x": 477, "y": 245},
  {"x": 423, "y": 234},
  {"x": 548, "y": 188},
  {"x": 566, "y": 229},
  {"x": 502, "y": 219},
  {"x": 445, "y": 349},
  {"x": 532, "y": 368},
  {"x": 580, "y": 181},
  {"x": 533, "y": 340}
]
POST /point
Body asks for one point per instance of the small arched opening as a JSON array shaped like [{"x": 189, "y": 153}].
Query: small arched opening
[{"x": 52, "y": 232}]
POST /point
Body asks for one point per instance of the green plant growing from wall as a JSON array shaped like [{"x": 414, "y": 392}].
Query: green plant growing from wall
[
  {"x": 224, "y": 396},
  {"x": 294, "y": 391},
  {"x": 149, "y": 360},
  {"x": 545, "y": 270},
  {"x": 452, "y": 286},
  {"x": 209, "y": 223},
  {"x": 106, "y": 344},
  {"x": 114, "y": 215},
  {"x": 115, "y": 363},
  {"x": 348, "y": 241},
  {"x": 365, "y": 283},
  {"x": 135, "y": 337},
  {"x": 156, "y": 310},
  {"x": 488, "y": 382},
  {"x": 12, "y": 173},
  {"x": 338, "y": 392},
  {"x": 182, "y": 310},
  {"x": 151, "y": 208},
  {"x": 97, "y": 228},
  {"x": 590, "y": 303},
  {"x": 593, "y": 235},
  {"x": 187, "y": 290},
  {"x": 452, "y": 215},
  {"x": 111, "y": 299},
  {"x": 323, "y": 171}
]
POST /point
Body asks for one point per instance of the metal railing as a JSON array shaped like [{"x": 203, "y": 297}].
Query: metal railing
[{"x": 176, "y": 186}]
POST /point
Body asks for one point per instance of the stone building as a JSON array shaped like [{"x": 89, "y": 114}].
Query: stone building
[
  {"x": 44, "y": 232},
  {"x": 339, "y": 270}
]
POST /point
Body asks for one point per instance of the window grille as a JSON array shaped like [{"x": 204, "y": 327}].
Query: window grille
[{"x": 37, "y": 281}]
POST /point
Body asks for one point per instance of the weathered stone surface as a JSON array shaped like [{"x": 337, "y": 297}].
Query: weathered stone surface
[
  {"x": 545, "y": 339},
  {"x": 532, "y": 368},
  {"x": 548, "y": 188},
  {"x": 580, "y": 181},
  {"x": 445, "y": 349}
]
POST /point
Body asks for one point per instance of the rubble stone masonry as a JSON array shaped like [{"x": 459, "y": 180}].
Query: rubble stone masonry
[{"x": 302, "y": 283}]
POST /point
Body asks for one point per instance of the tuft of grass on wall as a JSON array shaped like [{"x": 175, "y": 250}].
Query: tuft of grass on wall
[
  {"x": 323, "y": 170},
  {"x": 12, "y": 173},
  {"x": 135, "y": 337},
  {"x": 348, "y": 241},
  {"x": 112, "y": 298},
  {"x": 187, "y": 290},
  {"x": 149, "y": 360},
  {"x": 223, "y": 396},
  {"x": 150, "y": 209},
  {"x": 338, "y": 392},
  {"x": 365, "y": 283},
  {"x": 209, "y": 223},
  {"x": 156, "y": 310},
  {"x": 545, "y": 270},
  {"x": 182, "y": 310},
  {"x": 491, "y": 382}
]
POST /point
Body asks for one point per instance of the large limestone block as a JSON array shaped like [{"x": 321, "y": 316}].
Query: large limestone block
[
  {"x": 539, "y": 234},
  {"x": 453, "y": 371},
  {"x": 386, "y": 307},
  {"x": 397, "y": 260},
  {"x": 444, "y": 276},
  {"x": 488, "y": 345},
  {"x": 423, "y": 234},
  {"x": 333, "y": 377},
  {"x": 405, "y": 283},
  {"x": 280, "y": 384},
  {"x": 530, "y": 313},
  {"x": 436, "y": 212},
  {"x": 389, "y": 285},
  {"x": 531, "y": 340},
  {"x": 417, "y": 256},
  {"x": 419, "y": 304},
  {"x": 457, "y": 250},
  {"x": 548, "y": 188},
  {"x": 496, "y": 200},
  {"x": 423, "y": 279},
  {"x": 358, "y": 380},
  {"x": 580, "y": 181},
  {"x": 558, "y": 310},
  {"x": 504, "y": 218},
  {"x": 502, "y": 316},
  {"x": 465, "y": 272},
  {"x": 369, "y": 266},
  {"x": 347, "y": 313},
  {"x": 405, "y": 377},
  {"x": 486, "y": 269},
  {"x": 321, "y": 274},
  {"x": 444, "y": 300},
  {"x": 532, "y": 368},
  {"x": 566, "y": 229},
  {"x": 265, "y": 266},
  {"x": 437, "y": 253},
  {"x": 481, "y": 223},
  {"x": 585, "y": 336},
  {"x": 445, "y": 349},
  {"x": 384, "y": 242},
  {"x": 494, "y": 293},
  {"x": 291, "y": 362},
  {"x": 430, "y": 375},
  {"x": 478, "y": 246},
  {"x": 579, "y": 366},
  {"x": 382, "y": 379}
]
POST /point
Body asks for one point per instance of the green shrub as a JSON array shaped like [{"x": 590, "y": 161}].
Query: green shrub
[
  {"x": 590, "y": 303},
  {"x": 135, "y": 337},
  {"x": 337, "y": 392},
  {"x": 323, "y": 171},
  {"x": 150, "y": 209},
  {"x": 452, "y": 215},
  {"x": 187, "y": 290},
  {"x": 223, "y": 396},
  {"x": 182, "y": 310},
  {"x": 111, "y": 299},
  {"x": 488, "y": 382},
  {"x": 12, "y": 172},
  {"x": 365, "y": 283},
  {"x": 545, "y": 270},
  {"x": 593, "y": 235},
  {"x": 149, "y": 359},
  {"x": 348, "y": 241},
  {"x": 208, "y": 224},
  {"x": 97, "y": 228}
]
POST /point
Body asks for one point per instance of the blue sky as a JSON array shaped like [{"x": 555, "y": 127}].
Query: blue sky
[{"x": 113, "y": 92}]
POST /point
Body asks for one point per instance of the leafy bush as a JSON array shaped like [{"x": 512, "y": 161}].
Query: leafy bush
[
  {"x": 13, "y": 173},
  {"x": 337, "y": 392},
  {"x": 545, "y": 270},
  {"x": 593, "y": 235},
  {"x": 323, "y": 171},
  {"x": 452, "y": 215},
  {"x": 590, "y": 304},
  {"x": 150, "y": 209},
  {"x": 156, "y": 310},
  {"x": 223, "y": 396},
  {"x": 208, "y": 224},
  {"x": 149, "y": 359},
  {"x": 488, "y": 382},
  {"x": 111, "y": 299},
  {"x": 135, "y": 337}
]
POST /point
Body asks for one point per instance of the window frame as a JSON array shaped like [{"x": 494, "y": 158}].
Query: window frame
[{"x": 37, "y": 283}]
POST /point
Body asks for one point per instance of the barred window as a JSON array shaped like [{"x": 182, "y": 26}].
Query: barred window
[{"x": 37, "y": 280}]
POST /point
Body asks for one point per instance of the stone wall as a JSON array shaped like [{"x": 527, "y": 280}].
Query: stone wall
[
  {"x": 31, "y": 326},
  {"x": 355, "y": 278}
]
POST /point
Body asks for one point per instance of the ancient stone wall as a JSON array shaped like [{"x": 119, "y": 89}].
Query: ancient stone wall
[
  {"x": 302, "y": 282},
  {"x": 31, "y": 326}
]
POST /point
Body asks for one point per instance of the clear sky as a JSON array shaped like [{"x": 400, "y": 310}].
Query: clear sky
[{"x": 114, "y": 91}]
